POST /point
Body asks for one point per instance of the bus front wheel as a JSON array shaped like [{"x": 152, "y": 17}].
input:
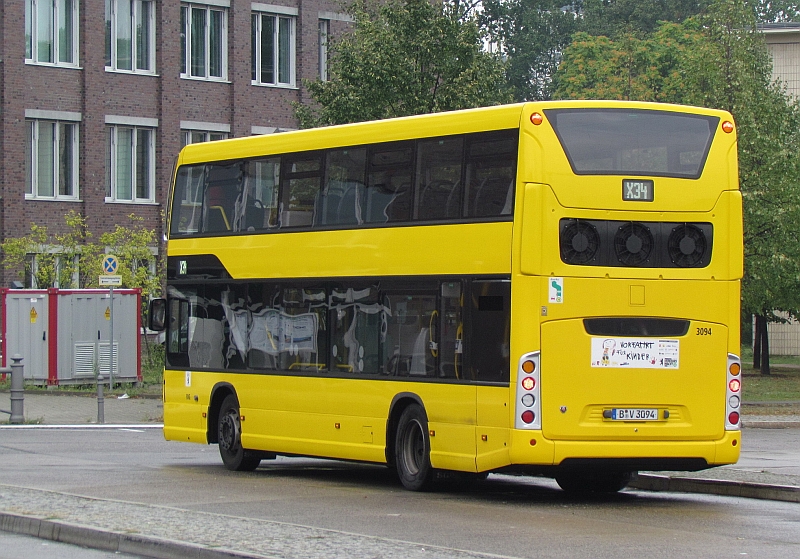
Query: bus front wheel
[
  {"x": 229, "y": 435},
  {"x": 413, "y": 449},
  {"x": 593, "y": 481}
]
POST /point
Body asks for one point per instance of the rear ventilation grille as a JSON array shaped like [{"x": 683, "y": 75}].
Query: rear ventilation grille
[
  {"x": 639, "y": 244},
  {"x": 579, "y": 242},
  {"x": 686, "y": 245},
  {"x": 633, "y": 244}
]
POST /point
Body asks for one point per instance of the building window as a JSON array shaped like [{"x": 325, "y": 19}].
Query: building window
[
  {"x": 273, "y": 49},
  {"x": 204, "y": 45},
  {"x": 324, "y": 56},
  {"x": 199, "y": 136},
  {"x": 51, "y": 32},
  {"x": 51, "y": 160},
  {"x": 130, "y": 35},
  {"x": 130, "y": 164}
]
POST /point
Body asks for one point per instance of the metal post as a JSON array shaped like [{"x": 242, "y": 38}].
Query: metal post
[
  {"x": 101, "y": 416},
  {"x": 17, "y": 397},
  {"x": 111, "y": 346}
]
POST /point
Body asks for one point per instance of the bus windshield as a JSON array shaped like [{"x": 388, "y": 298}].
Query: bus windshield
[{"x": 634, "y": 141}]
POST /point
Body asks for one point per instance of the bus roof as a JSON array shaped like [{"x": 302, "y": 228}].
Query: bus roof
[{"x": 402, "y": 128}]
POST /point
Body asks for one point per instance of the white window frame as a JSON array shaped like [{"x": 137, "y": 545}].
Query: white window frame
[
  {"x": 138, "y": 19},
  {"x": 324, "y": 52},
  {"x": 33, "y": 133},
  {"x": 56, "y": 11},
  {"x": 113, "y": 128},
  {"x": 186, "y": 37},
  {"x": 277, "y": 13}
]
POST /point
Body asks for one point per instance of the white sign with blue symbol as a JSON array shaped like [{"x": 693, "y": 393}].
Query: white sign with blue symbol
[{"x": 555, "y": 290}]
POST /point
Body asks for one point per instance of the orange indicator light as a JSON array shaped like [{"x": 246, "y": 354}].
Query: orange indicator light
[
  {"x": 727, "y": 127},
  {"x": 735, "y": 368},
  {"x": 529, "y": 366},
  {"x": 537, "y": 119}
]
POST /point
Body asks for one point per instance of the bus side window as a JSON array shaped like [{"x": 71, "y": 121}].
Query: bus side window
[
  {"x": 300, "y": 189},
  {"x": 340, "y": 201},
  {"x": 489, "y": 333},
  {"x": 438, "y": 178},
  {"x": 223, "y": 186},
  {"x": 388, "y": 197},
  {"x": 410, "y": 348},
  {"x": 491, "y": 168},
  {"x": 258, "y": 206},
  {"x": 188, "y": 200}
]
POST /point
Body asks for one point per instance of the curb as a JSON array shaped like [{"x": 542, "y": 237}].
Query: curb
[
  {"x": 105, "y": 540},
  {"x": 725, "y": 488}
]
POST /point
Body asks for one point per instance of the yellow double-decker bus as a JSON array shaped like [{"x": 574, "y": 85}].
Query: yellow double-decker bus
[{"x": 547, "y": 288}]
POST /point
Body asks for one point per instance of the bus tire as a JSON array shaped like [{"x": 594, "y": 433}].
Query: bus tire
[
  {"x": 229, "y": 436},
  {"x": 587, "y": 481},
  {"x": 413, "y": 450}
]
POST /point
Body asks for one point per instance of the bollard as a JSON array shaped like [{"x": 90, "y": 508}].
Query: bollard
[
  {"x": 100, "y": 401},
  {"x": 17, "y": 397}
]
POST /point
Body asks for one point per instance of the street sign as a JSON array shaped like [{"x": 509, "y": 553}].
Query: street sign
[
  {"x": 110, "y": 265},
  {"x": 110, "y": 281}
]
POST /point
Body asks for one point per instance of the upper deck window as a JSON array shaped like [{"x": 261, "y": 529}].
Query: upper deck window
[{"x": 634, "y": 141}]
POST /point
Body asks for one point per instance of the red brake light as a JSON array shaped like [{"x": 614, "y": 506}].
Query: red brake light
[
  {"x": 735, "y": 384},
  {"x": 733, "y": 417},
  {"x": 528, "y": 416}
]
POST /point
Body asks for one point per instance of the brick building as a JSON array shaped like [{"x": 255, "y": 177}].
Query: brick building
[{"x": 98, "y": 96}]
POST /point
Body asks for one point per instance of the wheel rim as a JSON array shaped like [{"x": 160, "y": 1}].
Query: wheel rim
[
  {"x": 229, "y": 431},
  {"x": 413, "y": 448}
]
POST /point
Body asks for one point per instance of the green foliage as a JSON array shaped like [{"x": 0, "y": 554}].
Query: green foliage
[
  {"x": 68, "y": 258},
  {"x": 404, "y": 58},
  {"x": 613, "y": 18},
  {"x": 531, "y": 34},
  {"x": 718, "y": 60}
]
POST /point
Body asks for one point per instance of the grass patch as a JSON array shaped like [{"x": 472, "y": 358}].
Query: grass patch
[{"x": 781, "y": 386}]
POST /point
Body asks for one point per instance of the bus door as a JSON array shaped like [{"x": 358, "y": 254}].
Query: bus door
[{"x": 488, "y": 358}]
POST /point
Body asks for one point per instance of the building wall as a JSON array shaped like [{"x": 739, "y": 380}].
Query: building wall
[
  {"x": 99, "y": 96},
  {"x": 783, "y": 42}
]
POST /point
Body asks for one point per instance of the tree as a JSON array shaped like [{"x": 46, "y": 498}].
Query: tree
[
  {"x": 613, "y": 18},
  {"x": 719, "y": 60},
  {"x": 69, "y": 258},
  {"x": 530, "y": 34},
  {"x": 405, "y": 57}
]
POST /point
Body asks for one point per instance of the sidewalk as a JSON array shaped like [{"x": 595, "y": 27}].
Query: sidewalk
[{"x": 769, "y": 468}]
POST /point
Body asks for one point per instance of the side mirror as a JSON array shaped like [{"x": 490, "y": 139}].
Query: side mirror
[{"x": 157, "y": 315}]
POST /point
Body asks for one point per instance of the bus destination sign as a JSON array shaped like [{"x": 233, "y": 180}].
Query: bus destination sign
[{"x": 637, "y": 190}]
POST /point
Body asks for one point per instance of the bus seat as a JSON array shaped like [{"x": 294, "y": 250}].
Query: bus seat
[
  {"x": 254, "y": 215},
  {"x": 433, "y": 201},
  {"x": 419, "y": 354},
  {"x": 216, "y": 220}
]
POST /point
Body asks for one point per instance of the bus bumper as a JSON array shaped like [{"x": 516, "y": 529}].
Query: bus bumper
[{"x": 531, "y": 448}]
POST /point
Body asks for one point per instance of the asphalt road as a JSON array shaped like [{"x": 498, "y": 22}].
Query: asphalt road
[{"x": 504, "y": 516}]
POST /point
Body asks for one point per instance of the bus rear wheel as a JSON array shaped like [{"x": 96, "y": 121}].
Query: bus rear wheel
[
  {"x": 413, "y": 450},
  {"x": 590, "y": 481},
  {"x": 229, "y": 435}
]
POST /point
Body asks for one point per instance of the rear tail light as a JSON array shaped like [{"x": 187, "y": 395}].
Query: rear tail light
[
  {"x": 528, "y": 407},
  {"x": 733, "y": 391}
]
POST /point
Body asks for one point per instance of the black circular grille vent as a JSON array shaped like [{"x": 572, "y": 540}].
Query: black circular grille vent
[
  {"x": 633, "y": 244},
  {"x": 579, "y": 242},
  {"x": 687, "y": 246}
]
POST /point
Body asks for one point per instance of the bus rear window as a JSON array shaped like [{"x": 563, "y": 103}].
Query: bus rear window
[{"x": 634, "y": 141}]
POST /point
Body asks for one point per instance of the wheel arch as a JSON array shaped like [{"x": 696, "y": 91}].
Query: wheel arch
[
  {"x": 220, "y": 391},
  {"x": 399, "y": 403}
]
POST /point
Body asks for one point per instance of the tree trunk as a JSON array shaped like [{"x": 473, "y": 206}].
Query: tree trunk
[
  {"x": 757, "y": 342},
  {"x": 764, "y": 347}
]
